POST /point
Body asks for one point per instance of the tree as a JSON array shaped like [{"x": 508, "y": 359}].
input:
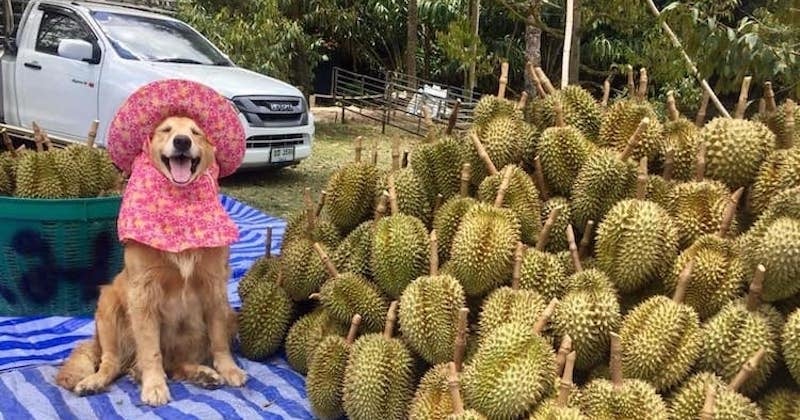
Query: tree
[{"x": 411, "y": 38}]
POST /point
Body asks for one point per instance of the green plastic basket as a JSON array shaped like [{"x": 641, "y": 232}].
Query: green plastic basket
[{"x": 56, "y": 254}]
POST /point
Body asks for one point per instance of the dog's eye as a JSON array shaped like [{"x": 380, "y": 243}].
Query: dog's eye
[
  {"x": 166, "y": 129},
  {"x": 196, "y": 132}
]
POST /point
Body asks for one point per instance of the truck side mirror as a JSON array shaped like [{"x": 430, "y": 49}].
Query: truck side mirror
[{"x": 77, "y": 49}]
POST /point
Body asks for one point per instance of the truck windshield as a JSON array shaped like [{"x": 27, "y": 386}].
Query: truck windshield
[{"x": 152, "y": 39}]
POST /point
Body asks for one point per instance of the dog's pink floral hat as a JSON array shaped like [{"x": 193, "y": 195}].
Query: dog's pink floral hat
[{"x": 146, "y": 108}]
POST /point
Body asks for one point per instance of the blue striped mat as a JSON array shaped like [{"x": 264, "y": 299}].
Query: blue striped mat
[{"x": 31, "y": 348}]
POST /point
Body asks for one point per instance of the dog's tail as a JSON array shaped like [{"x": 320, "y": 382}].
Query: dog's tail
[{"x": 82, "y": 362}]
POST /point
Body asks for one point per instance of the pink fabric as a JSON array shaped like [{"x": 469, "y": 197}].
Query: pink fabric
[{"x": 173, "y": 218}]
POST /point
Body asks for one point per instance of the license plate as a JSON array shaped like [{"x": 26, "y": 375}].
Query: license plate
[{"x": 282, "y": 154}]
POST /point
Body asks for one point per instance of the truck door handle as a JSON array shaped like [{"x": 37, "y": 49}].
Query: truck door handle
[{"x": 33, "y": 65}]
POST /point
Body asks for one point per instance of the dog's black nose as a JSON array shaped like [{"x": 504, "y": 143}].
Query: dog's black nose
[{"x": 182, "y": 143}]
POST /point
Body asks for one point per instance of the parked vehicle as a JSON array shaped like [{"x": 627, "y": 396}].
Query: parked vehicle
[{"x": 72, "y": 62}]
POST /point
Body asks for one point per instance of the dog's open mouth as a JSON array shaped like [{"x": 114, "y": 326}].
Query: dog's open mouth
[{"x": 181, "y": 167}]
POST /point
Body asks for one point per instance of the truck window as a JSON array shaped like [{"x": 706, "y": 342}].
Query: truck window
[{"x": 56, "y": 26}]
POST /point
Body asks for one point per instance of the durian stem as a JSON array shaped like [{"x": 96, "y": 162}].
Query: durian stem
[
  {"x": 559, "y": 110},
  {"x": 523, "y": 100},
  {"x": 561, "y": 356},
  {"x": 669, "y": 165},
  {"x": 642, "y": 93},
  {"x": 268, "y": 243},
  {"x": 586, "y": 239},
  {"x": 483, "y": 154},
  {"x": 314, "y": 296},
  {"x": 762, "y": 106},
  {"x": 700, "y": 119},
  {"x": 466, "y": 175},
  {"x": 9, "y": 144},
  {"x": 708, "y": 410},
  {"x": 326, "y": 260},
  {"x": 308, "y": 203},
  {"x": 634, "y": 140},
  {"x": 641, "y": 179},
  {"x": 501, "y": 91},
  {"x": 769, "y": 94},
  {"x": 437, "y": 202},
  {"x": 37, "y": 137},
  {"x": 700, "y": 168},
  {"x": 516, "y": 273},
  {"x": 573, "y": 249},
  {"x": 606, "y": 92},
  {"x": 544, "y": 233},
  {"x": 730, "y": 212},
  {"x": 404, "y": 161},
  {"x": 615, "y": 361},
  {"x": 631, "y": 82},
  {"x": 683, "y": 282},
  {"x": 426, "y": 116},
  {"x": 380, "y": 208},
  {"x": 391, "y": 319},
  {"x": 788, "y": 128},
  {"x": 756, "y": 289},
  {"x": 744, "y": 94},
  {"x": 747, "y": 370},
  {"x": 451, "y": 122},
  {"x": 565, "y": 386},
  {"x": 375, "y": 152},
  {"x": 359, "y": 147},
  {"x": 545, "y": 80},
  {"x": 434, "y": 254},
  {"x": 672, "y": 109},
  {"x": 395, "y": 153},
  {"x": 536, "y": 81},
  {"x": 538, "y": 327},
  {"x": 393, "y": 196},
  {"x": 323, "y": 195},
  {"x": 455, "y": 392},
  {"x": 92, "y": 136},
  {"x": 354, "y": 324},
  {"x": 461, "y": 339},
  {"x": 501, "y": 191},
  {"x": 538, "y": 175}
]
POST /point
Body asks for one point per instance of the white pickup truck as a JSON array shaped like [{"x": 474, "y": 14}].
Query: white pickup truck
[{"x": 72, "y": 62}]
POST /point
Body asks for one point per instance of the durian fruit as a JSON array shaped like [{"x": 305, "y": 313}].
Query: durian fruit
[
  {"x": 557, "y": 243},
  {"x": 773, "y": 242},
  {"x": 781, "y": 404},
  {"x": 779, "y": 118},
  {"x": 718, "y": 273},
  {"x": 412, "y": 198},
  {"x": 355, "y": 251},
  {"x": 399, "y": 248},
  {"x": 501, "y": 139},
  {"x": 351, "y": 192},
  {"x": 621, "y": 398},
  {"x": 302, "y": 271},
  {"x": 491, "y": 107},
  {"x": 738, "y": 331},
  {"x": 510, "y": 304},
  {"x": 326, "y": 369},
  {"x": 69, "y": 173},
  {"x": 448, "y": 218},
  {"x": 587, "y": 313},
  {"x": 38, "y": 176},
  {"x": 7, "y": 174},
  {"x": 681, "y": 138},
  {"x": 429, "y": 309},
  {"x": 580, "y": 110},
  {"x": 790, "y": 344},
  {"x": 559, "y": 408},
  {"x": 512, "y": 370},
  {"x": 264, "y": 320},
  {"x": 637, "y": 241},
  {"x": 308, "y": 224},
  {"x": 606, "y": 178},
  {"x": 736, "y": 149},
  {"x": 305, "y": 335},
  {"x": 690, "y": 402},
  {"x": 483, "y": 246},
  {"x": 781, "y": 169},
  {"x": 563, "y": 149},
  {"x": 661, "y": 338},
  {"x": 346, "y": 294},
  {"x": 264, "y": 269},
  {"x": 378, "y": 378}
]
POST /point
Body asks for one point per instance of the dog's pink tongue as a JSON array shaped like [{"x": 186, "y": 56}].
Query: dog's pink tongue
[{"x": 181, "y": 169}]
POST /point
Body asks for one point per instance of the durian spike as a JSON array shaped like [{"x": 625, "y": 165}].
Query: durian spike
[
  {"x": 501, "y": 191},
  {"x": 393, "y": 196},
  {"x": 561, "y": 356},
  {"x": 559, "y": 110},
  {"x": 789, "y": 128},
  {"x": 538, "y": 327},
  {"x": 483, "y": 154},
  {"x": 669, "y": 165},
  {"x": 672, "y": 109},
  {"x": 769, "y": 95},
  {"x": 9, "y": 144},
  {"x": 322, "y": 196},
  {"x": 642, "y": 93},
  {"x": 380, "y": 208},
  {"x": 683, "y": 282},
  {"x": 434, "y": 254},
  {"x": 641, "y": 179},
  {"x": 565, "y": 386},
  {"x": 586, "y": 239},
  {"x": 700, "y": 165},
  {"x": 700, "y": 119},
  {"x": 404, "y": 161},
  {"x": 744, "y": 94},
  {"x": 359, "y": 147},
  {"x": 354, "y": 324},
  {"x": 501, "y": 91},
  {"x": 573, "y": 249},
  {"x": 391, "y": 319},
  {"x": 544, "y": 233},
  {"x": 538, "y": 175},
  {"x": 451, "y": 122},
  {"x": 461, "y": 339},
  {"x": 326, "y": 260},
  {"x": 395, "y": 153},
  {"x": 375, "y": 152},
  {"x": 535, "y": 79},
  {"x": 466, "y": 175},
  {"x": 268, "y": 243},
  {"x": 455, "y": 391},
  {"x": 747, "y": 370},
  {"x": 631, "y": 83},
  {"x": 545, "y": 80},
  {"x": 615, "y": 361},
  {"x": 762, "y": 106},
  {"x": 92, "y": 136},
  {"x": 708, "y": 410},
  {"x": 606, "y": 92},
  {"x": 523, "y": 100},
  {"x": 437, "y": 202},
  {"x": 634, "y": 140},
  {"x": 308, "y": 203},
  {"x": 756, "y": 288},
  {"x": 730, "y": 212},
  {"x": 516, "y": 273},
  {"x": 37, "y": 137}
]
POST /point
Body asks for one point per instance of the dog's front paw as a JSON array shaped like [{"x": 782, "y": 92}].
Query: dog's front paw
[
  {"x": 207, "y": 378},
  {"x": 91, "y": 384},
  {"x": 155, "y": 393},
  {"x": 233, "y": 376}
]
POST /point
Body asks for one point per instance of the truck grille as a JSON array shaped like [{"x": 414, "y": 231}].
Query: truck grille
[
  {"x": 275, "y": 140},
  {"x": 273, "y": 111}
]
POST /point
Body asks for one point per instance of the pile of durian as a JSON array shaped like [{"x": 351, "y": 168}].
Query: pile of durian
[
  {"x": 564, "y": 258},
  {"x": 76, "y": 171}
]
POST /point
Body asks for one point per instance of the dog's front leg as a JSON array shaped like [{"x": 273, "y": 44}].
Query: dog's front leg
[
  {"x": 145, "y": 325},
  {"x": 217, "y": 312}
]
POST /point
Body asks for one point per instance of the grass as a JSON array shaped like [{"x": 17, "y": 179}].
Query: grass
[{"x": 279, "y": 192}]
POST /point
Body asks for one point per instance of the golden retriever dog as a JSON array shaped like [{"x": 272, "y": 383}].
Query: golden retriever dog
[{"x": 165, "y": 315}]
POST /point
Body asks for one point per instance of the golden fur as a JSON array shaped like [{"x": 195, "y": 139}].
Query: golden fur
[{"x": 165, "y": 314}]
